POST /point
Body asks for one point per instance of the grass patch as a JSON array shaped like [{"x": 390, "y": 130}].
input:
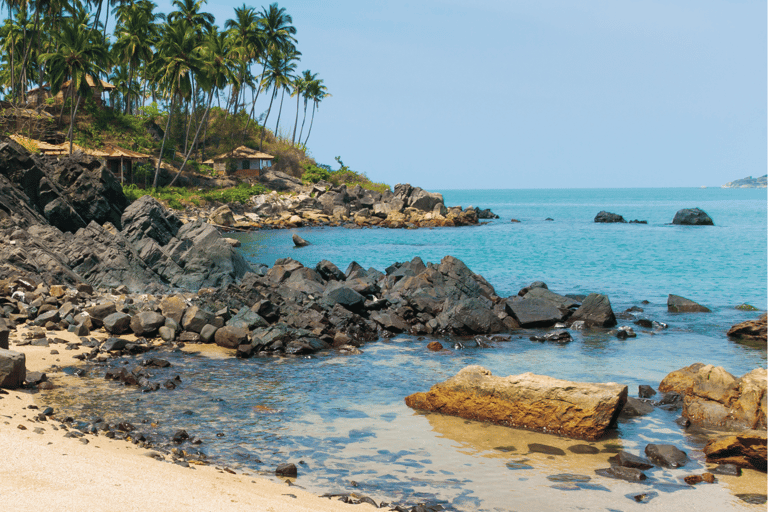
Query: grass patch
[{"x": 179, "y": 198}]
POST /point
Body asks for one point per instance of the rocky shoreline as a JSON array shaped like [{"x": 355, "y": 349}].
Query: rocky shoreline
[{"x": 123, "y": 279}]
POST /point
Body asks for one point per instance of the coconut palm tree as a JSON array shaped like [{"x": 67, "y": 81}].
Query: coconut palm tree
[
  {"x": 248, "y": 44},
  {"x": 217, "y": 69},
  {"x": 82, "y": 53},
  {"x": 285, "y": 85},
  {"x": 177, "y": 58},
  {"x": 277, "y": 77},
  {"x": 189, "y": 11},
  {"x": 300, "y": 85},
  {"x": 317, "y": 93},
  {"x": 136, "y": 34},
  {"x": 308, "y": 77}
]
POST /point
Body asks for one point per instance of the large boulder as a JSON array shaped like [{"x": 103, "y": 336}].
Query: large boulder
[
  {"x": 533, "y": 312},
  {"x": 147, "y": 323},
  {"x": 713, "y": 397},
  {"x": 608, "y": 217},
  {"x": 595, "y": 311},
  {"x": 746, "y": 449},
  {"x": 751, "y": 329},
  {"x": 231, "y": 336},
  {"x": 535, "y": 402},
  {"x": 692, "y": 217},
  {"x": 678, "y": 304},
  {"x": 280, "y": 181},
  {"x": 13, "y": 369}
]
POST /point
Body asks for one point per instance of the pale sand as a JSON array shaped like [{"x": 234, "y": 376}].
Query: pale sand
[{"x": 50, "y": 472}]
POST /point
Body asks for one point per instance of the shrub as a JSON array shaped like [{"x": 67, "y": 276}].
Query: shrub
[{"x": 315, "y": 173}]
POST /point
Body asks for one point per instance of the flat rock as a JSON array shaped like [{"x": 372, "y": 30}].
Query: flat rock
[
  {"x": 677, "y": 304},
  {"x": 751, "y": 329},
  {"x": 666, "y": 455},
  {"x": 534, "y": 402},
  {"x": 746, "y": 450}
]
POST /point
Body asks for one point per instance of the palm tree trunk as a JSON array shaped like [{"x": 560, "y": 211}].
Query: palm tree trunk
[
  {"x": 264, "y": 128},
  {"x": 303, "y": 120},
  {"x": 253, "y": 108},
  {"x": 162, "y": 146},
  {"x": 197, "y": 134},
  {"x": 279, "y": 113},
  {"x": 310, "y": 124},
  {"x": 296, "y": 122},
  {"x": 72, "y": 123}
]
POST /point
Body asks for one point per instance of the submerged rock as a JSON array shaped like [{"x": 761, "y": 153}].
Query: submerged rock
[
  {"x": 677, "y": 304},
  {"x": 534, "y": 402}
]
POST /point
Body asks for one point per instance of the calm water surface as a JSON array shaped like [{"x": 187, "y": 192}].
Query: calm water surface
[{"x": 344, "y": 416}]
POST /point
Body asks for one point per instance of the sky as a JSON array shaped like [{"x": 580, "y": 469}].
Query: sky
[{"x": 505, "y": 94}]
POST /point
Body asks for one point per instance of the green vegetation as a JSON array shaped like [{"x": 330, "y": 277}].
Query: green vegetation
[
  {"x": 174, "y": 86},
  {"x": 343, "y": 176},
  {"x": 179, "y": 197}
]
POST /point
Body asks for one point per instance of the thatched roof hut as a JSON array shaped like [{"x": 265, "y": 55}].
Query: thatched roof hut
[{"x": 241, "y": 161}]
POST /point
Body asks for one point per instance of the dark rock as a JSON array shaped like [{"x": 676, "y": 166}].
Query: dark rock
[
  {"x": 180, "y": 436},
  {"x": 557, "y": 336},
  {"x": 726, "y": 469},
  {"x": 117, "y": 323},
  {"x": 329, "y": 271},
  {"x": 583, "y": 449},
  {"x": 34, "y": 378},
  {"x": 608, "y": 217},
  {"x": 99, "y": 312},
  {"x": 533, "y": 312},
  {"x": 207, "y": 333},
  {"x": 545, "y": 449},
  {"x": 635, "y": 407},
  {"x": 677, "y": 304},
  {"x": 147, "y": 323},
  {"x": 167, "y": 333},
  {"x": 628, "y": 460},
  {"x": 645, "y": 391},
  {"x": 113, "y": 344},
  {"x": 231, "y": 336},
  {"x": 13, "y": 369},
  {"x": 595, "y": 310},
  {"x": 622, "y": 473},
  {"x": 666, "y": 455},
  {"x": 535, "y": 284},
  {"x": 196, "y": 318},
  {"x": 692, "y": 217},
  {"x": 298, "y": 241},
  {"x": 345, "y": 296},
  {"x": 287, "y": 469}
]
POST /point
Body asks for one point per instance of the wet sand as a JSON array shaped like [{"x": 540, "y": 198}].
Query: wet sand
[{"x": 43, "y": 469}]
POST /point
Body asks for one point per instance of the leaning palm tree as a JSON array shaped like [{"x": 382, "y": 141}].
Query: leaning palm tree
[
  {"x": 82, "y": 54},
  {"x": 135, "y": 35},
  {"x": 247, "y": 45},
  {"x": 277, "y": 77},
  {"x": 308, "y": 78},
  {"x": 291, "y": 57},
  {"x": 216, "y": 71},
  {"x": 176, "y": 59},
  {"x": 318, "y": 92},
  {"x": 299, "y": 88}
]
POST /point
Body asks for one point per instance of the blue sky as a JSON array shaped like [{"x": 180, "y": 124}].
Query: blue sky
[{"x": 548, "y": 94}]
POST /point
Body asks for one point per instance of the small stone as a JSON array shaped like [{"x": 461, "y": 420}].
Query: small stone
[
  {"x": 287, "y": 469},
  {"x": 435, "y": 346}
]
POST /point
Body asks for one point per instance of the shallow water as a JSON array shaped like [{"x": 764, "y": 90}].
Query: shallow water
[{"x": 345, "y": 418}]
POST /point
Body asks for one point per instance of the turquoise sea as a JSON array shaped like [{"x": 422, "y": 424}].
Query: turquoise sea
[{"x": 342, "y": 418}]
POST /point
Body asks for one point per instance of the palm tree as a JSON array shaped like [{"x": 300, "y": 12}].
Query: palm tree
[
  {"x": 177, "y": 58},
  {"x": 135, "y": 35},
  {"x": 317, "y": 93},
  {"x": 308, "y": 78},
  {"x": 285, "y": 85},
  {"x": 82, "y": 53},
  {"x": 218, "y": 65},
  {"x": 300, "y": 84},
  {"x": 189, "y": 11},
  {"x": 277, "y": 77},
  {"x": 248, "y": 44}
]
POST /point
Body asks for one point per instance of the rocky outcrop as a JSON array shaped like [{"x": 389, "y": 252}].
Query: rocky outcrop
[
  {"x": 69, "y": 222},
  {"x": 746, "y": 450},
  {"x": 677, "y": 304},
  {"x": 748, "y": 182},
  {"x": 534, "y": 402},
  {"x": 595, "y": 310},
  {"x": 751, "y": 329},
  {"x": 324, "y": 204},
  {"x": 608, "y": 217},
  {"x": 692, "y": 217},
  {"x": 713, "y": 397},
  {"x": 13, "y": 369}
]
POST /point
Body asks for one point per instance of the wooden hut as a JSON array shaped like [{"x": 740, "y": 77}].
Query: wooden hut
[
  {"x": 242, "y": 161},
  {"x": 97, "y": 87}
]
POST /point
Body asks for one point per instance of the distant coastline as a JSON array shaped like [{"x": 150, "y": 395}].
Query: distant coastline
[{"x": 748, "y": 182}]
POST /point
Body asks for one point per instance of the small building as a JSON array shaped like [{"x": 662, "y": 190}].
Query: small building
[
  {"x": 97, "y": 87},
  {"x": 241, "y": 161},
  {"x": 37, "y": 97}
]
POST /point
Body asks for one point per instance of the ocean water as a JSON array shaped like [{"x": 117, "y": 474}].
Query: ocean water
[{"x": 343, "y": 419}]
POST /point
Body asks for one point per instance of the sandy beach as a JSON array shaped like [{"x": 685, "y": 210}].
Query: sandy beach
[{"x": 42, "y": 468}]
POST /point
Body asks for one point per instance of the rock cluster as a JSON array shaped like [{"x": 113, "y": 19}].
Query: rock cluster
[
  {"x": 713, "y": 397},
  {"x": 323, "y": 204},
  {"x": 572, "y": 409},
  {"x": 751, "y": 329}
]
